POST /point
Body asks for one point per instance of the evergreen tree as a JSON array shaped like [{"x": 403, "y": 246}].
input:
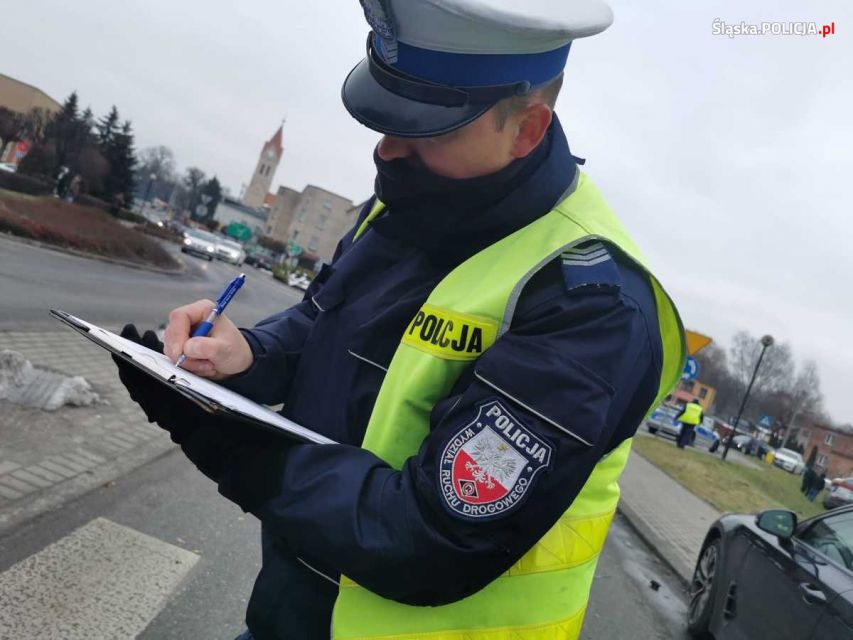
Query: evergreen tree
[
  {"x": 123, "y": 163},
  {"x": 69, "y": 110},
  {"x": 87, "y": 123},
  {"x": 213, "y": 190},
  {"x": 67, "y": 132},
  {"x": 108, "y": 128}
]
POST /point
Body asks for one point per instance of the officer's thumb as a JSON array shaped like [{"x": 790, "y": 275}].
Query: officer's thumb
[{"x": 202, "y": 348}]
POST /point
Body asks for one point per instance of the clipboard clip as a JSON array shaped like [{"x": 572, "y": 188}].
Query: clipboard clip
[
  {"x": 184, "y": 387},
  {"x": 69, "y": 319}
]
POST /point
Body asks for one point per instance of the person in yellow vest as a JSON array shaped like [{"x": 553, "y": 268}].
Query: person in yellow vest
[
  {"x": 689, "y": 417},
  {"x": 483, "y": 347}
]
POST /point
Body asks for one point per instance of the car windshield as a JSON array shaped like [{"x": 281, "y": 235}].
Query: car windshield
[
  {"x": 668, "y": 410},
  {"x": 833, "y": 536},
  {"x": 202, "y": 235},
  {"x": 789, "y": 454}
]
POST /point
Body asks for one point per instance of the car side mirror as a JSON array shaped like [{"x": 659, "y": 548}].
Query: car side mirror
[{"x": 779, "y": 522}]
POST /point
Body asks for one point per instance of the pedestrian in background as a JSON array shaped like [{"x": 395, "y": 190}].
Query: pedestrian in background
[
  {"x": 817, "y": 485},
  {"x": 62, "y": 180},
  {"x": 73, "y": 189},
  {"x": 690, "y": 416},
  {"x": 807, "y": 481},
  {"x": 117, "y": 204}
]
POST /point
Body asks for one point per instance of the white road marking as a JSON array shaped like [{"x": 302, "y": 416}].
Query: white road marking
[{"x": 102, "y": 581}]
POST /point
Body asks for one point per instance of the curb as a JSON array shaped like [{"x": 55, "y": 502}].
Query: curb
[
  {"x": 94, "y": 256},
  {"x": 656, "y": 543}
]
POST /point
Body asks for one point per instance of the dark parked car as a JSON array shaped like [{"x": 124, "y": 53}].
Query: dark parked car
[
  {"x": 767, "y": 576},
  {"x": 260, "y": 261}
]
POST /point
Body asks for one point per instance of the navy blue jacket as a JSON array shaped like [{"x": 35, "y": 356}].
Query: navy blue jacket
[{"x": 577, "y": 370}]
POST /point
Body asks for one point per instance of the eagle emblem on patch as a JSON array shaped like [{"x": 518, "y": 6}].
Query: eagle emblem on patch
[
  {"x": 378, "y": 16},
  {"x": 488, "y": 466}
]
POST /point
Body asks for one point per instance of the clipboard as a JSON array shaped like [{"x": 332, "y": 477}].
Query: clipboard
[{"x": 211, "y": 397}]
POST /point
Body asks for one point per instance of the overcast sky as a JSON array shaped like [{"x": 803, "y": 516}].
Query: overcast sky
[{"x": 729, "y": 159}]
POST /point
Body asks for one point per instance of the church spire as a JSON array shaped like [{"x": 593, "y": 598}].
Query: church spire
[
  {"x": 275, "y": 141},
  {"x": 258, "y": 192}
]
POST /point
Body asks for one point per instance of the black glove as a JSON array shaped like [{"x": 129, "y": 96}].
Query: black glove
[
  {"x": 161, "y": 404},
  {"x": 212, "y": 442}
]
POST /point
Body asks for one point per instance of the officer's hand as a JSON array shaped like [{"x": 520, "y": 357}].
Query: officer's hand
[
  {"x": 161, "y": 405},
  {"x": 224, "y": 352}
]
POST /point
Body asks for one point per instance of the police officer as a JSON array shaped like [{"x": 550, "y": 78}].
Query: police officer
[
  {"x": 483, "y": 347},
  {"x": 690, "y": 416}
]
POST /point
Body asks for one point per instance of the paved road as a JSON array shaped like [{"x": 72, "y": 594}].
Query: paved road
[
  {"x": 212, "y": 555},
  {"x": 34, "y": 280}
]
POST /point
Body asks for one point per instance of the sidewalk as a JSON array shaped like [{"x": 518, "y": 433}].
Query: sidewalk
[
  {"x": 50, "y": 457},
  {"x": 672, "y": 520}
]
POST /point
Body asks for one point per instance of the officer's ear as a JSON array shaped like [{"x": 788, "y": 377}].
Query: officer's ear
[{"x": 531, "y": 125}]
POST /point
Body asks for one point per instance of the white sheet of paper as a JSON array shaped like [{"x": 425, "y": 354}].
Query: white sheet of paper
[{"x": 161, "y": 367}]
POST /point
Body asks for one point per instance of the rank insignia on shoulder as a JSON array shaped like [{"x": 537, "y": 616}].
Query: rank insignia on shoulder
[
  {"x": 590, "y": 265},
  {"x": 488, "y": 466}
]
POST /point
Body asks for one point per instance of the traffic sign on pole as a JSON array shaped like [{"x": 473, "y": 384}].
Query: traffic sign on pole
[
  {"x": 696, "y": 342},
  {"x": 691, "y": 369}
]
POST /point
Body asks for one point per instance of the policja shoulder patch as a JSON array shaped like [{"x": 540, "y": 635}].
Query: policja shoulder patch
[
  {"x": 590, "y": 265},
  {"x": 487, "y": 467}
]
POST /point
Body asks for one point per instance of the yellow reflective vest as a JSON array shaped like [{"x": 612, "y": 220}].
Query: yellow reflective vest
[
  {"x": 692, "y": 414},
  {"x": 554, "y": 577}
]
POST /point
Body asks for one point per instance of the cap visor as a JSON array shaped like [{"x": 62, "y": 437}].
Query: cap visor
[{"x": 376, "y": 107}]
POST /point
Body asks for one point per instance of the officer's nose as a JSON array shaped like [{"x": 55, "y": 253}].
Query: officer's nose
[{"x": 394, "y": 148}]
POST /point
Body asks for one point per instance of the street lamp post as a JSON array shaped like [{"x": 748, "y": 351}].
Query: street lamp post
[{"x": 766, "y": 341}]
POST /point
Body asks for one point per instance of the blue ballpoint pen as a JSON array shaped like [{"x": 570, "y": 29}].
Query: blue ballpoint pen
[{"x": 225, "y": 297}]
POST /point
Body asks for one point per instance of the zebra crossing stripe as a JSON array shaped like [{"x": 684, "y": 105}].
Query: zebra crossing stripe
[{"x": 102, "y": 581}]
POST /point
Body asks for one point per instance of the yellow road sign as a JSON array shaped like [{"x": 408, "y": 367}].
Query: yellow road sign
[{"x": 696, "y": 342}]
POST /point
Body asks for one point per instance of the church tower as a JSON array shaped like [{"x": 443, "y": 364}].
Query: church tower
[{"x": 261, "y": 181}]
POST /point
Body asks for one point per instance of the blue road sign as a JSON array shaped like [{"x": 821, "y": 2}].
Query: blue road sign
[
  {"x": 766, "y": 422},
  {"x": 691, "y": 369}
]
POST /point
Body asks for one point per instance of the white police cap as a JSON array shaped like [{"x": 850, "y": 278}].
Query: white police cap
[{"x": 434, "y": 65}]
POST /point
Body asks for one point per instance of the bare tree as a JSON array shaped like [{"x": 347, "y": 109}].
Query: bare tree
[
  {"x": 804, "y": 398},
  {"x": 776, "y": 370},
  {"x": 158, "y": 160},
  {"x": 12, "y": 128},
  {"x": 193, "y": 180},
  {"x": 714, "y": 371},
  {"x": 36, "y": 122}
]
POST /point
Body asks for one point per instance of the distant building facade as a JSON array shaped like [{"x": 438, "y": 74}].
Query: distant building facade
[
  {"x": 21, "y": 97},
  {"x": 259, "y": 186},
  {"x": 281, "y": 213},
  {"x": 834, "y": 449},
  {"x": 687, "y": 390},
  {"x": 313, "y": 220},
  {"x": 230, "y": 210}
]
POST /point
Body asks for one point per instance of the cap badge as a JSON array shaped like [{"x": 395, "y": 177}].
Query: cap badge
[{"x": 379, "y": 18}]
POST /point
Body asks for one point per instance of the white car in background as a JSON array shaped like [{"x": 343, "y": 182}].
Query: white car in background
[
  {"x": 298, "y": 280},
  {"x": 200, "y": 243},
  {"x": 789, "y": 460},
  {"x": 230, "y": 251}
]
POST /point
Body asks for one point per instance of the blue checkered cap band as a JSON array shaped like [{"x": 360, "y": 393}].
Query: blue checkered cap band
[{"x": 482, "y": 42}]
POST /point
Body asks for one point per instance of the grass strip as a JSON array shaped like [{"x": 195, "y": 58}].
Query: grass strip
[{"x": 727, "y": 485}]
